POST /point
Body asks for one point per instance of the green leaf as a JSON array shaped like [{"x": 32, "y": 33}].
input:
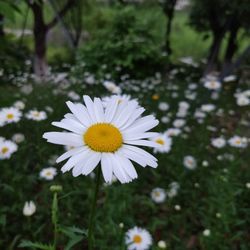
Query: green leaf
[
  {"x": 35, "y": 245},
  {"x": 72, "y": 242},
  {"x": 7, "y": 11}
]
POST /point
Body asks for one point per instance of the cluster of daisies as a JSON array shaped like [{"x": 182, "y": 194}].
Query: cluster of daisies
[
  {"x": 14, "y": 114},
  {"x": 235, "y": 141}
]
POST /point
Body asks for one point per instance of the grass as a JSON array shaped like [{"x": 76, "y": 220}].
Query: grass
[{"x": 204, "y": 192}]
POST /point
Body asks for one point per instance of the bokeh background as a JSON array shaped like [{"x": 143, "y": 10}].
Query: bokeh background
[{"x": 186, "y": 61}]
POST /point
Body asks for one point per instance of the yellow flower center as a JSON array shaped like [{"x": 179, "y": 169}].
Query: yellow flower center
[
  {"x": 137, "y": 239},
  {"x": 160, "y": 141},
  {"x": 48, "y": 173},
  {"x": 155, "y": 97},
  {"x": 4, "y": 150},
  {"x": 10, "y": 116},
  {"x": 157, "y": 193},
  {"x": 238, "y": 141},
  {"x": 103, "y": 137}
]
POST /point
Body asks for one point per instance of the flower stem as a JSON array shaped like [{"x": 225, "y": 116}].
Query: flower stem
[
  {"x": 93, "y": 210},
  {"x": 55, "y": 218}
]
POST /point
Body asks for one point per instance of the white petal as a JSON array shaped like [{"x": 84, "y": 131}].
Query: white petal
[
  {"x": 91, "y": 163},
  {"x": 125, "y": 114},
  {"x": 99, "y": 111},
  {"x": 63, "y": 138},
  {"x": 90, "y": 107},
  {"x": 133, "y": 156},
  {"x": 110, "y": 110},
  {"x": 75, "y": 159},
  {"x": 70, "y": 125},
  {"x": 150, "y": 159},
  {"x": 143, "y": 124},
  {"x": 145, "y": 143},
  {"x": 118, "y": 170},
  {"x": 80, "y": 113},
  {"x": 136, "y": 136},
  {"x": 132, "y": 118},
  {"x": 70, "y": 153},
  {"x": 127, "y": 166},
  {"x": 107, "y": 169}
]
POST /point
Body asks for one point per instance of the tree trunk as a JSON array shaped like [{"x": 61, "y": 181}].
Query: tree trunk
[
  {"x": 40, "y": 35},
  {"x": 230, "y": 50},
  {"x": 1, "y": 25},
  {"x": 212, "y": 59},
  {"x": 169, "y": 9}
]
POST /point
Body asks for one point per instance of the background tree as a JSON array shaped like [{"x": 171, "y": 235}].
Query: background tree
[
  {"x": 41, "y": 29},
  {"x": 169, "y": 10},
  {"x": 219, "y": 18}
]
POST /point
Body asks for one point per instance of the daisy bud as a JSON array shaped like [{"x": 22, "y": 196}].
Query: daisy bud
[{"x": 29, "y": 208}]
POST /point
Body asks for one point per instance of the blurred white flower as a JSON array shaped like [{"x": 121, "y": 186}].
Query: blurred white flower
[
  {"x": 173, "y": 132},
  {"x": 163, "y": 143},
  {"x": 112, "y": 87},
  {"x": 238, "y": 142},
  {"x": 7, "y": 148},
  {"x": 29, "y": 208},
  {"x": 138, "y": 239},
  {"x": 178, "y": 123},
  {"x": 162, "y": 244},
  {"x": 212, "y": 84},
  {"x": 48, "y": 173},
  {"x": 36, "y": 115},
  {"x": 207, "y": 107},
  {"x": 189, "y": 162},
  {"x": 18, "y": 138},
  {"x": 177, "y": 207},
  {"x": 219, "y": 142},
  {"x": 19, "y": 105},
  {"x": 206, "y": 232},
  {"x": 158, "y": 195},
  {"x": 10, "y": 115},
  {"x": 163, "y": 106}
]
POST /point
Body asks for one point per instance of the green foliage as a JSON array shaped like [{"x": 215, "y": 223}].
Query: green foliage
[
  {"x": 13, "y": 57},
  {"x": 128, "y": 44}
]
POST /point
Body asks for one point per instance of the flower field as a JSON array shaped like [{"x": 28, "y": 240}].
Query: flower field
[{"x": 197, "y": 197}]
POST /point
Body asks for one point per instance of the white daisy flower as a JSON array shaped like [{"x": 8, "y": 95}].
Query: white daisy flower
[
  {"x": 74, "y": 96},
  {"x": 163, "y": 143},
  {"x": 108, "y": 135},
  {"x": 19, "y": 104},
  {"x": 178, "y": 123},
  {"x": 7, "y": 148},
  {"x": 189, "y": 162},
  {"x": 173, "y": 132},
  {"x": 10, "y": 115},
  {"x": 138, "y": 239},
  {"x": 36, "y": 115},
  {"x": 206, "y": 232},
  {"x": 29, "y": 208},
  {"x": 18, "y": 138},
  {"x": 163, "y": 106},
  {"x": 207, "y": 107},
  {"x": 242, "y": 100},
  {"x": 48, "y": 173},
  {"x": 212, "y": 84},
  {"x": 112, "y": 87},
  {"x": 165, "y": 119},
  {"x": 238, "y": 142},
  {"x": 158, "y": 195},
  {"x": 162, "y": 244},
  {"x": 219, "y": 142}
]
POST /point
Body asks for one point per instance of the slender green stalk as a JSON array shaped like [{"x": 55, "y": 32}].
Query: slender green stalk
[
  {"x": 93, "y": 209},
  {"x": 55, "y": 218}
]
